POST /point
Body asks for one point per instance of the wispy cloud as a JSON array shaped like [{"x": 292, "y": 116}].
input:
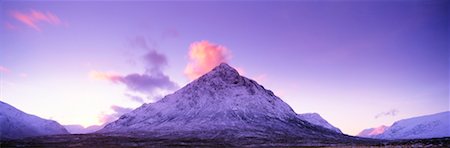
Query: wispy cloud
[
  {"x": 10, "y": 26},
  {"x": 204, "y": 56},
  {"x": 143, "y": 83},
  {"x": 98, "y": 75},
  {"x": 147, "y": 84},
  {"x": 392, "y": 112},
  {"x": 4, "y": 70},
  {"x": 151, "y": 82},
  {"x": 117, "y": 112},
  {"x": 135, "y": 98},
  {"x": 34, "y": 18}
]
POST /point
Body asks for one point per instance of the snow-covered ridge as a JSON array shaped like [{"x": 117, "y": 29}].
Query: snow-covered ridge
[
  {"x": 17, "y": 124},
  {"x": 218, "y": 103},
  {"x": 428, "y": 126},
  {"x": 316, "y": 119}
]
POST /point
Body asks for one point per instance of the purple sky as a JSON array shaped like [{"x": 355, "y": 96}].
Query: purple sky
[{"x": 358, "y": 64}]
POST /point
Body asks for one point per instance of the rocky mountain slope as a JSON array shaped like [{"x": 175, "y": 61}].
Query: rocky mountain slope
[{"x": 221, "y": 104}]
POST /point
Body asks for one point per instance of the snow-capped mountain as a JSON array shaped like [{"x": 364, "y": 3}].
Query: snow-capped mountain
[
  {"x": 16, "y": 124},
  {"x": 428, "y": 126},
  {"x": 316, "y": 119},
  {"x": 371, "y": 132},
  {"x": 220, "y": 104},
  {"x": 78, "y": 129}
]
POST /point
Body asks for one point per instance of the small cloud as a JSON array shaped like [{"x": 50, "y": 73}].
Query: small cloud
[
  {"x": 143, "y": 83},
  {"x": 4, "y": 70},
  {"x": 392, "y": 112},
  {"x": 97, "y": 75},
  {"x": 149, "y": 83},
  {"x": 142, "y": 43},
  {"x": 34, "y": 17},
  {"x": 146, "y": 83},
  {"x": 135, "y": 98},
  {"x": 204, "y": 56},
  {"x": 117, "y": 112},
  {"x": 154, "y": 61},
  {"x": 10, "y": 26}
]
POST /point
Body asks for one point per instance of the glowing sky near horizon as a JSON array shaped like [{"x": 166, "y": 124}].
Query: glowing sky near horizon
[{"x": 357, "y": 64}]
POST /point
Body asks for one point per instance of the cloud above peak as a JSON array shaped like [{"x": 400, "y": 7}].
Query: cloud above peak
[
  {"x": 154, "y": 61},
  {"x": 204, "y": 56},
  {"x": 143, "y": 83},
  {"x": 147, "y": 84},
  {"x": 34, "y": 18}
]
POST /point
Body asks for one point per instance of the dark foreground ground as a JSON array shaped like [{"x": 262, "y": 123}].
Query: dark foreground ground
[{"x": 102, "y": 140}]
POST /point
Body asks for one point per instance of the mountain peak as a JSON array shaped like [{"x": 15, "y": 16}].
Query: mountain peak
[
  {"x": 224, "y": 72},
  {"x": 219, "y": 103},
  {"x": 225, "y": 68},
  {"x": 224, "y": 65}
]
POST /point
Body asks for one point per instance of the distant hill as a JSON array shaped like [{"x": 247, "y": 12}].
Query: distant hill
[
  {"x": 428, "y": 126},
  {"x": 16, "y": 124}
]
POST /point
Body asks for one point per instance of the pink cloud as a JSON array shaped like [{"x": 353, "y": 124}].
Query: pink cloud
[
  {"x": 4, "y": 70},
  {"x": 34, "y": 17},
  {"x": 104, "y": 76},
  {"x": 10, "y": 26},
  {"x": 204, "y": 56}
]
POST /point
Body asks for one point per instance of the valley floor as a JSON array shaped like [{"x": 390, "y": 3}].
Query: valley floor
[{"x": 103, "y": 140}]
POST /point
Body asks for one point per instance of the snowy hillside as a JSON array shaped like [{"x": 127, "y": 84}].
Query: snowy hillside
[
  {"x": 218, "y": 104},
  {"x": 17, "y": 124},
  {"x": 316, "y": 119},
  {"x": 428, "y": 126},
  {"x": 371, "y": 132}
]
